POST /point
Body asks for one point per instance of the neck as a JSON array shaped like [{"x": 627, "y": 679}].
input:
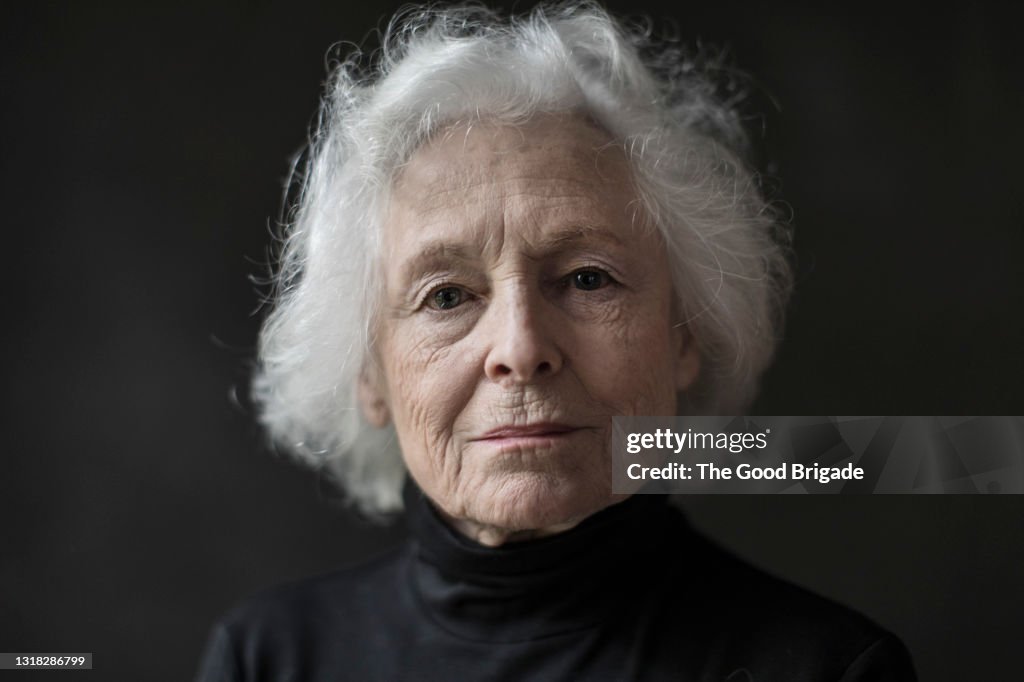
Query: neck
[
  {"x": 496, "y": 536},
  {"x": 492, "y": 584}
]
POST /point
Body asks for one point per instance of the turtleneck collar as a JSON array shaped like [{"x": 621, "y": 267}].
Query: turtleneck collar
[{"x": 539, "y": 588}]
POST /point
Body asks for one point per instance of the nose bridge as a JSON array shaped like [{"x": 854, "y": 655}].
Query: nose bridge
[{"x": 523, "y": 339}]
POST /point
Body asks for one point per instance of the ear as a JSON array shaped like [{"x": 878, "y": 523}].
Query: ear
[
  {"x": 687, "y": 367},
  {"x": 372, "y": 400}
]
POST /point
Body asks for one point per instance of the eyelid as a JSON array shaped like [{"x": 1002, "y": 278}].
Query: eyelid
[
  {"x": 594, "y": 267},
  {"x": 424, "y": 301}
]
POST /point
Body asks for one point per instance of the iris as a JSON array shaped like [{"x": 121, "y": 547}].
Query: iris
[
  {"x": 447, "y": 298},
  {"x": 589, "y": 280}
]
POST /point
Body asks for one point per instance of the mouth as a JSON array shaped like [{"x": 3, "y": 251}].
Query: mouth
[{"x": 528, "y": 434}]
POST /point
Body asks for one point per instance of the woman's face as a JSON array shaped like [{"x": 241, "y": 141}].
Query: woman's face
[{"x": 522, "y": 311}]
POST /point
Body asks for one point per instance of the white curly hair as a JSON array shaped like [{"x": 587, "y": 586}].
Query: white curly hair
[{"x": 438, "y": 67}]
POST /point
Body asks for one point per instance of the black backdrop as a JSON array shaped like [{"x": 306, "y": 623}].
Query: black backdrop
[{"x": 143, "y": 155}]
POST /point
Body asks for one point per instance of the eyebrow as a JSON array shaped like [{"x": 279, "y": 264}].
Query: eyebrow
[
  {"x": 433, "y": 256},
  {"x": 437, "y": 254},
  {"x": 571, "y": 236}
]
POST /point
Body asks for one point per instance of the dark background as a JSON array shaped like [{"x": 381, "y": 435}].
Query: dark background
[{"x": 143, "y": 154}]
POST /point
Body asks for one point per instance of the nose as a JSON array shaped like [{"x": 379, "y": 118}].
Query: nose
[{"x": 524, "y": 343}]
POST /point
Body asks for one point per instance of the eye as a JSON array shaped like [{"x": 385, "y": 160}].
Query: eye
[
  {"x": 446, "y": 298},
  {"x": 590, "y": 280}
]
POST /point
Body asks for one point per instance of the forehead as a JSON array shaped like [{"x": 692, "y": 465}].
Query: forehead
[
  {"x": 550, "y": 172},
  {"x": 559, "y": 143}
]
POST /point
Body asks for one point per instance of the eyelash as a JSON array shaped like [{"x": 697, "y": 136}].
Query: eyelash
[
  {"x": 608, "y": 280},
  {"x": 433, "y": 292},
  {"x": 565, "y": 282}
]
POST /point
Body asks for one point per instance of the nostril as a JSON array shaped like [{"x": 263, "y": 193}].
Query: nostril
[{"x": 544, "y": 368}]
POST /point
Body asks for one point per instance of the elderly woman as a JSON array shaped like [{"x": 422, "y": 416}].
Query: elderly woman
[{"x": 508, "y": 233}]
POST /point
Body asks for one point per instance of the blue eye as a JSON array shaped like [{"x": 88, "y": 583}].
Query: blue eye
[
  {"x": 589, "y": 280},
  {"x": 447, "y": 298}
]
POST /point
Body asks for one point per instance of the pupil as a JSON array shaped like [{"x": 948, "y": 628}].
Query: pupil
[
  {"x": 588, "y": 280},
  {"x": 448, "y": 297}
]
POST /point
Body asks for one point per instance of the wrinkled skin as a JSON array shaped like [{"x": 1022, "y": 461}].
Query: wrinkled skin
[{"x": 524, "y": 307}]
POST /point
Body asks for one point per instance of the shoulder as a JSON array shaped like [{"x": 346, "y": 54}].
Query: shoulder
[
  {"x": 275, "y": 633},
  {"x": 332, "y": 595},
  {"x": 757, "y": 622}
]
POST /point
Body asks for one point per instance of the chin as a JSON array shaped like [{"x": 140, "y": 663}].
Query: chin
[{"x": 533, "y": 501}]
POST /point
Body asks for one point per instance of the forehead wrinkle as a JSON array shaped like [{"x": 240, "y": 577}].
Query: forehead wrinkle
[
  {"x": 566, "y": 220},
  {"x": 560, "y": 223},
  {"x": 435, "y": 192},
  {"x": 466, "y": 196},
  {"x": 430, "y": 189}
]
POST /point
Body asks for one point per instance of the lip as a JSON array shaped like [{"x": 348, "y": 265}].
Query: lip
[{"x": 510, "y": 432}]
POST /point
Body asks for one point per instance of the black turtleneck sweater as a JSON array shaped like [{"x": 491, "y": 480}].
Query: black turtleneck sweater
[{"x": 631, "y": 593}]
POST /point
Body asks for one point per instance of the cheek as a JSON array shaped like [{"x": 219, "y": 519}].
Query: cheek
[
  {"x": 428, "y": 387},
  {"x": 417, "y": 390},
  {"x": 627, "y": 362}
]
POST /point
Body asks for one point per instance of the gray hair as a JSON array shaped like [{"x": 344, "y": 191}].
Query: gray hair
[{"x": 441, "y": 67}]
